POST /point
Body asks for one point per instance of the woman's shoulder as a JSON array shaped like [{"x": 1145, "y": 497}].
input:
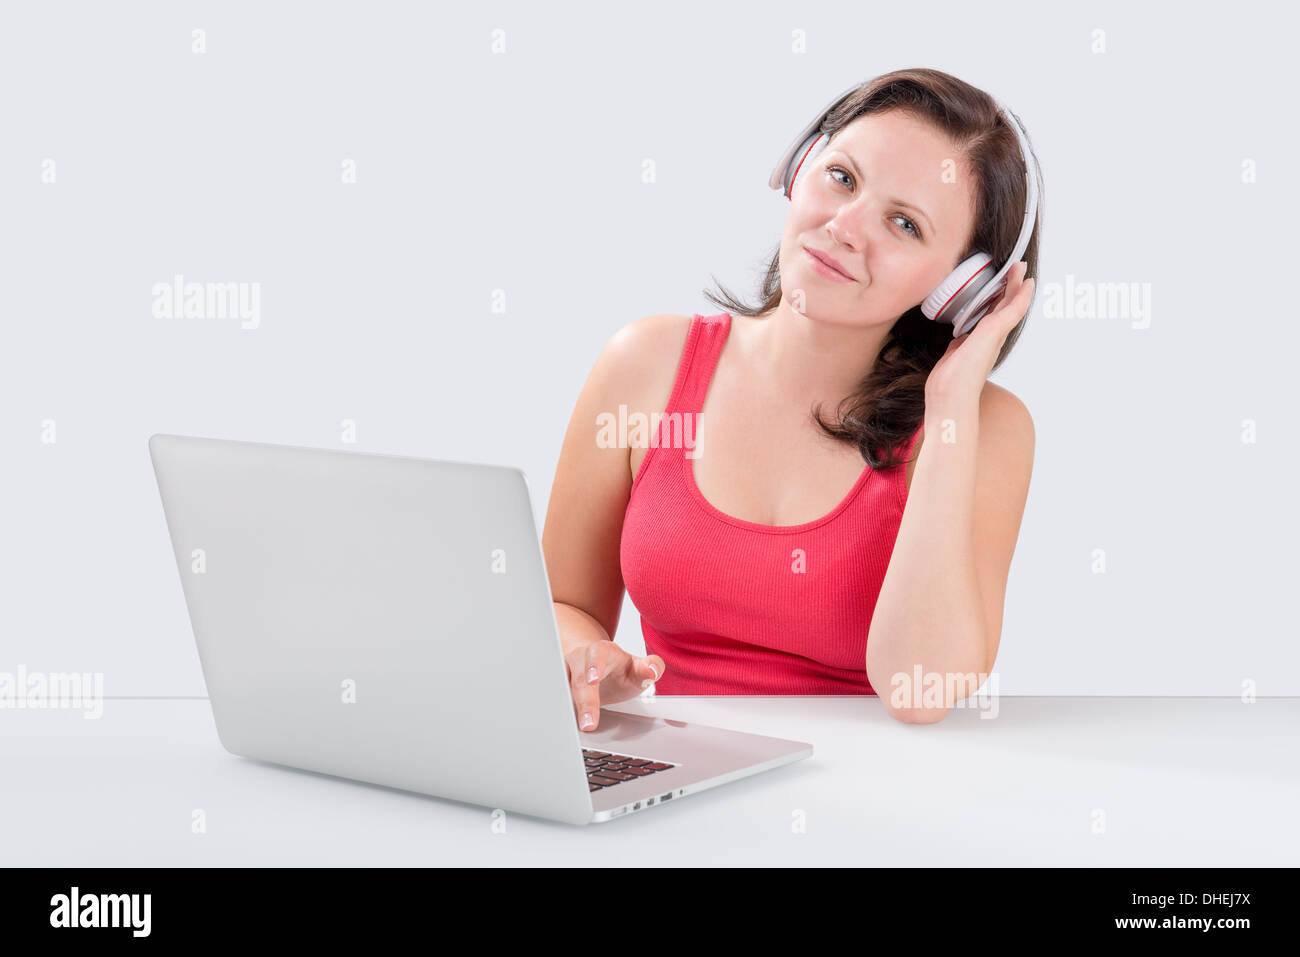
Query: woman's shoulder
[
  {"x": 651, "y": 336},
  {"x": 643, "y": 357}
]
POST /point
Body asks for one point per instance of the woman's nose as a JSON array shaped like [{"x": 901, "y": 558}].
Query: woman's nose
[{"x": 844, "y": 231}]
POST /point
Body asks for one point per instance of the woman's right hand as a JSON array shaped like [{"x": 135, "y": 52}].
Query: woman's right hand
[{"x": 600, "y": 672}]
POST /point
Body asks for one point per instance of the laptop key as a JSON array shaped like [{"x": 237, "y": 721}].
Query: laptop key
[{"x": 605, "y": 769}]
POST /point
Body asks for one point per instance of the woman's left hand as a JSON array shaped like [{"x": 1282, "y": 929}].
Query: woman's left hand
[{"x": 963, "y": 369}]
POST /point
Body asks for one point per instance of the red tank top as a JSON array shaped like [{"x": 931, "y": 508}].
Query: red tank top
[{"x": 736, "y": 607}]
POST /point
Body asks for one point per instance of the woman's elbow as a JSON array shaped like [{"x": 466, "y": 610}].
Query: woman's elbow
[{"x": 922, "y": 715}]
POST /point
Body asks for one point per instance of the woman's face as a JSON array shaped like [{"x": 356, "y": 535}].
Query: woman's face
[{"x": 893, "y": 204}]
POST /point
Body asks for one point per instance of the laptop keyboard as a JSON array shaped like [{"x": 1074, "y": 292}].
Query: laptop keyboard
[{"x": 604, "y": 769}]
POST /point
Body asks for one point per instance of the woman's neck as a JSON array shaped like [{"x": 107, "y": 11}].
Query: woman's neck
[{"x": 808, "y": 360}]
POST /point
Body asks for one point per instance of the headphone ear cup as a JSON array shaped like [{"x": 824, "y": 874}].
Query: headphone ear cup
[
  {"x": 959, "y": 289},
  {"x": 803, "y": 159}
]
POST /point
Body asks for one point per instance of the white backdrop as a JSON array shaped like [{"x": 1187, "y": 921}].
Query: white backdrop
[{"x": 387, "y": 176}]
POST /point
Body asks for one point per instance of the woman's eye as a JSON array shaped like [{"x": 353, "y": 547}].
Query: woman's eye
[
  {"x": 911, "y": 227},
  {"x": 914, "y": 231},
  {"x": 836, "y": 169}
]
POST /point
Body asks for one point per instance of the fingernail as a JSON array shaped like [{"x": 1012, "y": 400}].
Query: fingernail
[
  {"x": 592, "y": 674},
  {"x": 655, "y": 670},
  {"x": 587, "y": 720}
]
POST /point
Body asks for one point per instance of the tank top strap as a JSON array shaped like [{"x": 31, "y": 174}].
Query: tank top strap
[
  {"x": 704, "y": 344},
  {"x": 676, "y": 432}
]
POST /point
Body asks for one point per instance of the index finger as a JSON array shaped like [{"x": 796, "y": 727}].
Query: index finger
[{"x": 586, "y": 684}]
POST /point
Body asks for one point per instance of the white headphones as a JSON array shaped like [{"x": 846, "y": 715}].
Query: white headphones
[{"x": 966, "y": 295}]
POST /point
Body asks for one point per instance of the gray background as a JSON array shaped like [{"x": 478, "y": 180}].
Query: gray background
[{"x": 521, "y": 172}]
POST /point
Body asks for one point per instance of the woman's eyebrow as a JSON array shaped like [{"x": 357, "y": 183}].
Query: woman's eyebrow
[{"x": 896, "y": 201}]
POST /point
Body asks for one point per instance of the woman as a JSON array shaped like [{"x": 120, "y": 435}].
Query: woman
[{"x": 763, "y": 556}]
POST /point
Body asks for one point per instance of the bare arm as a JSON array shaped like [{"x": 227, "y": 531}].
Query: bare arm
[
  {"x": 584, "y": 517},
  {"x": 939, "y": 613}
]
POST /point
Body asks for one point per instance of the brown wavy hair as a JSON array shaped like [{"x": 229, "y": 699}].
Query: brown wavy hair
[{"x": 889, "y": 404}]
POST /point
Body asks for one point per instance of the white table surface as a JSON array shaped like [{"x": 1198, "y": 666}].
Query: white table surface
[{"x": 1179, "y": 782}]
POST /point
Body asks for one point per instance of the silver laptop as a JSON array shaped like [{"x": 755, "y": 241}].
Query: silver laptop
[{"x": 389, "y": 619}]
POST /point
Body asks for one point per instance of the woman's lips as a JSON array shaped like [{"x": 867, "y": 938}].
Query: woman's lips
[{"x": 822, "y": 268}]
